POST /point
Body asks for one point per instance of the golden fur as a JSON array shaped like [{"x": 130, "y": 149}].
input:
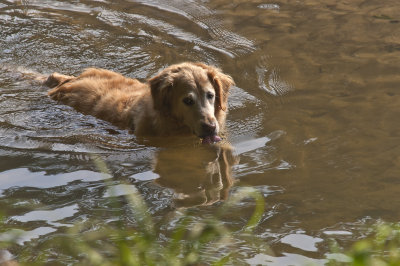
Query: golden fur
[{"x": 182, "y": 99}]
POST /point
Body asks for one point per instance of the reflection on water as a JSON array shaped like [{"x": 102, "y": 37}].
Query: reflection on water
[
  {"x": 22, "y": 177},
  {"x": 312, "y": 121},
  {"x": 200, "y": 176}
]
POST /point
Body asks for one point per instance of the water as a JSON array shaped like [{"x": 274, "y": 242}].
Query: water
[{"x": 312, "y": 117}]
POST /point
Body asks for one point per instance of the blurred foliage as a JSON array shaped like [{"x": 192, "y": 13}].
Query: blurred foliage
[
  {"x": 382, "y": 247},
  {"x": 191, "y": 240}
]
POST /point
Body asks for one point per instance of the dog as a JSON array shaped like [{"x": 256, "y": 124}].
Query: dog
[{"x": 183, "y": 99}]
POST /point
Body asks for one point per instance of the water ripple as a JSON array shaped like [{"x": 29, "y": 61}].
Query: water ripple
[{"x": 222, "y": 40}]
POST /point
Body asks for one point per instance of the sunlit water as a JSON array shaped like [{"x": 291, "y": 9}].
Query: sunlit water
[{"x": 313, "y": 118}]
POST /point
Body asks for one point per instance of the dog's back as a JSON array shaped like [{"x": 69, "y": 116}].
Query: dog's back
[{"x": 98, "y": 92}]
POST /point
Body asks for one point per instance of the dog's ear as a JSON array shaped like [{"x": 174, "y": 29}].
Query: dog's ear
[
  {"x": 161, "y": 89},
  {"x": 221, "y": 83}
]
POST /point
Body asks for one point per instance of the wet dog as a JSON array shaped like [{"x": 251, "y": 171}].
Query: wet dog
[{"x": 183, "y": 99}]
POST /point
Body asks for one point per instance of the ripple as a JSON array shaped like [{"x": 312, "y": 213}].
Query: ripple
[
  {"x": 120, "y": 190},
  {"x": 50, "y": 216},
  {"x": 59, "y": 5},
  {"x": 22, "y": 236},
  {"x": 259, "y": 156},
  {"x": 164, "y": 27},
  {"x": 274, "y": 7},
  {"x": 271, "y": 82},
  {"x": 285, "y": 259},
  {"x": 223, "y": 40},
  {"x": 302, "y": 241},
  {"x": 239, "y": 98},
  {"x": 22, "y": 177}
]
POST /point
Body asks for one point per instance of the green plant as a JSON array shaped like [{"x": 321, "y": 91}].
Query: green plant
[
  {"x": 382, "y": 247},
  {"x": 119, "y": 245},
  {"x": 192, "y": 240}
]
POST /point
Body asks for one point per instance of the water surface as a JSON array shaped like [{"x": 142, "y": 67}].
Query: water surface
[{"x": 312, "y": 122}]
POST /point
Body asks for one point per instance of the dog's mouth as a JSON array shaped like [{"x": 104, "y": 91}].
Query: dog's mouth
[{"x": 211, "y": 139}]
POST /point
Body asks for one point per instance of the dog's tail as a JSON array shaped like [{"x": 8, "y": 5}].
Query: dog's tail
[{"x": 23, "y": 73}]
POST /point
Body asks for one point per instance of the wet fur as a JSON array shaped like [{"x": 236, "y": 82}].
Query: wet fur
[{"x": 153, "y": 108}]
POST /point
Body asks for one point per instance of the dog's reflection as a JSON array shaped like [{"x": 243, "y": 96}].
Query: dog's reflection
[{"x": 198, "y": 175}]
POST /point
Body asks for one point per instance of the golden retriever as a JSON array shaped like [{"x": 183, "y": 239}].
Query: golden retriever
[{"x": 186, "y": 98}]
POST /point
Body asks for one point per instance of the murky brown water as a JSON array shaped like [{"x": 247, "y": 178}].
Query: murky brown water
[{"x": 313, "y": 119}]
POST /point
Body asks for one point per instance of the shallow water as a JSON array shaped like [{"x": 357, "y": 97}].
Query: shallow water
[{"x": 312, "y": 117}]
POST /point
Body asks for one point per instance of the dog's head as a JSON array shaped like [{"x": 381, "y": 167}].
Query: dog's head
[{"x": 193, "y": 93}]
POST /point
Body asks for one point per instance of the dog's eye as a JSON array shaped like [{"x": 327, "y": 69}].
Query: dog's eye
[
  {"x": 188, "y": 101},
  {"x": 210, "y": 95}
]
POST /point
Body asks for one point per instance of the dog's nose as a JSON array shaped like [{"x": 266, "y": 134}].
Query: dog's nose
[{"x": 209, "y": 128}]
